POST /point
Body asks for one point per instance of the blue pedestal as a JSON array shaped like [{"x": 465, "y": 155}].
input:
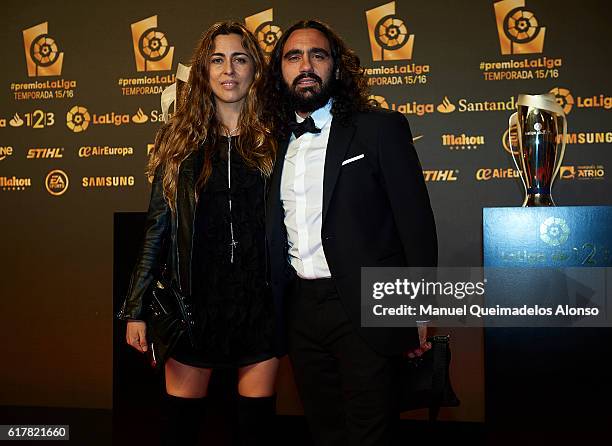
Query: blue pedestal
[{"x": 548, "y": 378}]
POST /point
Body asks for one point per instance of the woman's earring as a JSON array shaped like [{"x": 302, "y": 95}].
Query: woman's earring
[{"x": 337, "y": 73}]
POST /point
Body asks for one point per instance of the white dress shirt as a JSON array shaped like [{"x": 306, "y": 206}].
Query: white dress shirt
[{"x": 302, "y": 196}]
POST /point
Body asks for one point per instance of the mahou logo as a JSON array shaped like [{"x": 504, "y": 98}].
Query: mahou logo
[
  {"x": 389, "y": 35},
  {"x": 264, "y": 29},
  {"x": 152, "y": 52},
  {"x": 43, "y": 57}
]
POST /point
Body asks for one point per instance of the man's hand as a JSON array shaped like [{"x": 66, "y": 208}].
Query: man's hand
[{"x": 423, "y": 344}]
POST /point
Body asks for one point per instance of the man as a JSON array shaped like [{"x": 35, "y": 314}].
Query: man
[{"x": 347, "y": 191}]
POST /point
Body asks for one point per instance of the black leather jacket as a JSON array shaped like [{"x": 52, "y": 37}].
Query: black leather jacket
[{"x": 159, "y": 221}]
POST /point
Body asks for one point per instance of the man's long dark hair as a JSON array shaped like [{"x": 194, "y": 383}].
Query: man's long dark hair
[{"x": 349, "y": 89}]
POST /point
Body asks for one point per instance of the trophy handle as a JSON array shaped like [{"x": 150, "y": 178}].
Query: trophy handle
[
  {"x": 562, "y": 152},
  {"x": 513, "y": 122}
]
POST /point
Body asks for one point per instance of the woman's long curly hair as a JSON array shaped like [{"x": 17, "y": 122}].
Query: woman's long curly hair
[
  {"x": 348, "y": 84},
  {"x": 195, "y": 120}
]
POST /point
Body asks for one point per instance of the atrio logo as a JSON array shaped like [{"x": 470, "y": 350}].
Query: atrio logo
[
  {"x": 264, "y": 29},
  {"x": 152, "y": 51},
  {"x": 518, "y": 28},
  {"x": 389, "y": 35},
  {"x": 564, "y": 98},
  {"x": 77, "y": 119},
  {"x": 56, "y": 182},
  {"x": 43, "y": 57}
]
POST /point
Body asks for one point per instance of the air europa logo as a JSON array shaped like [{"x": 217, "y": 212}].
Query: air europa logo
[
  {"x": 43, "y": 57},
  {"x": 264, "y": 29},
  {"x": 518, "y": 28},
  {"x": 152, "y": 52},
  {"x": 408, "y": 108},
  {"x": 389, "y": 35}
]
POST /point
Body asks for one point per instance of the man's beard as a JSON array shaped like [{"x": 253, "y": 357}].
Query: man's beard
[{"x": 313, "y": 100}]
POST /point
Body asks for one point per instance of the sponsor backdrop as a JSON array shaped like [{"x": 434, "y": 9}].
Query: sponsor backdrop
[{"x": 80, "y": 88}]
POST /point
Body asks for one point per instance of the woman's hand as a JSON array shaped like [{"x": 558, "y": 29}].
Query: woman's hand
[{"x": 136, "y": 335}]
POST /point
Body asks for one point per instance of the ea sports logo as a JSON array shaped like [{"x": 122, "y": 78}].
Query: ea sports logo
[
  {"x": 56, "y": 182},
  {"x": 77, "y": 119}
]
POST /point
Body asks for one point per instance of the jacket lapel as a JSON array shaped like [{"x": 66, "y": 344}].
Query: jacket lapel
[{"x": 339, "y": 140}]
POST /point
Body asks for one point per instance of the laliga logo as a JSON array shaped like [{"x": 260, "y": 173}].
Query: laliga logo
[
  {"x": 554, "y": 231},
  {"x": 378, "y": 101},
  {"x": 77, "y": 119},
  {"x": 266, "y": 32},
  {"x": 564, "y": 98},
  {"x": 389, "y": 38},
  {"x": 518, "y": 28},
  {"x": 152, "y": 51},
  {"x": 41, "y": 51}
]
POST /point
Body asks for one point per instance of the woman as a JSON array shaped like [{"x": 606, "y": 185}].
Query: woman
[{"x": 209, "y": 168}]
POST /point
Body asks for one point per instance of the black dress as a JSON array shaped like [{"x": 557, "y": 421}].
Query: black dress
[{"x": 230, "y": 295}]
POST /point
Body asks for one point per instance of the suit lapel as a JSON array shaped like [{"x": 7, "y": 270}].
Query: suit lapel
[{"x": 339, "y": 140}]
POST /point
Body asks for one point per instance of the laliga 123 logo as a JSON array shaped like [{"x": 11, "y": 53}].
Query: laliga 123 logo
[
  {"x": 264, "y": 30},
  {"x": 518, "y": 28},
  {"x": 43, "y": 57},
  {"x": 152, "y": 51},
  {"x": 389, "y": 35}
]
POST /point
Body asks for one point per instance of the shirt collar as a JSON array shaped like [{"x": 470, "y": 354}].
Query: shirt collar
[{"x": 320, "y": 116}]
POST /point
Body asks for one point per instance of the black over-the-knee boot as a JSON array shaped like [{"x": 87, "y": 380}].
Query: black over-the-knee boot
[
  {"x": 181, "y": 420},
  {"x": 256, "y": 420}
]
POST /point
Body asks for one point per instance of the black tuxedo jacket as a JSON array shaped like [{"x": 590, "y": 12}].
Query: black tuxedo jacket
[{"x": 376, "y": 212}]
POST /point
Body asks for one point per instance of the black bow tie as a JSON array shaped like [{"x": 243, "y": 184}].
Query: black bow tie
[{"x": 306, "y": 126}]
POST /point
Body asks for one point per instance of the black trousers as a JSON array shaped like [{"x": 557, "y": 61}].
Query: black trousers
[{"x": 346, "y": 388}]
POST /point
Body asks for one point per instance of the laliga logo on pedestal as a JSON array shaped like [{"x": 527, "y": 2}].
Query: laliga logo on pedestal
[
  {"x": 264, "y": 30},
  {"x": 152, "y": 51},
  {"x": 554, "y": 231},
  {"x": 518, "y": 28},
  {"x": 389, "y": 36},
  {"x": 43, "y": 57}
]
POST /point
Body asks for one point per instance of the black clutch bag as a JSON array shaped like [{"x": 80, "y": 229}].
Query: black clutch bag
[
  {"x": 166, "y": 321},
  {"x": 425, "y": 381}
]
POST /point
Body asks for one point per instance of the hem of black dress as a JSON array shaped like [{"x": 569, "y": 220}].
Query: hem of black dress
[{"x": 226, "y": 365}]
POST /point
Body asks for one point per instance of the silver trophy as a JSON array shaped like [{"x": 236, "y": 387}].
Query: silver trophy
[{"x": 537, "y": 137}]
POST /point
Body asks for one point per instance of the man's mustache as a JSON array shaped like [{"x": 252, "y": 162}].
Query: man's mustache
[{"x": 303, "y": 76}]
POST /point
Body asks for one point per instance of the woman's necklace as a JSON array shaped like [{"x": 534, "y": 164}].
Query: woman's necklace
[{"x": 233, "y": 242}]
